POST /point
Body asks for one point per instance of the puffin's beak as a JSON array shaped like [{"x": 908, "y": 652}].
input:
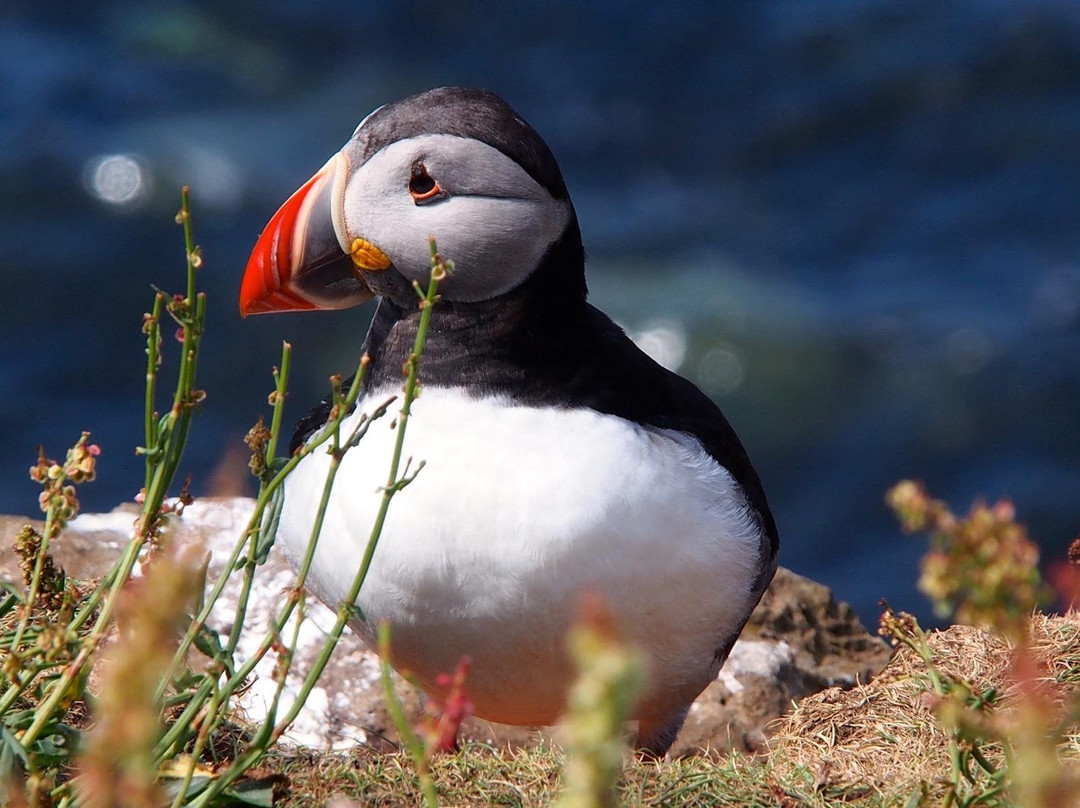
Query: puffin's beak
[{"x": 304, "y": 260}]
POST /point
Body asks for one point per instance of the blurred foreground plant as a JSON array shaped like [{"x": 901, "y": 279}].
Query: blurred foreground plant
[
  {"x": 983, "y": 569},
  {"x": 610, "y": 678},
  {"x": 117, "y": 768}
]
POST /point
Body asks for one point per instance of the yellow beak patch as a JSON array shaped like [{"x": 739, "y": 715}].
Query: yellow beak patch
[{"x": 366, "y": 255}]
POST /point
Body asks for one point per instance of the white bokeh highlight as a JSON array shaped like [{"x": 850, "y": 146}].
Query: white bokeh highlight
[{"x": 118, "y": 180}]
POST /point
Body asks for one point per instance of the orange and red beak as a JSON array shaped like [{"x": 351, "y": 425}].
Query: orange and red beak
[{"x": 304, "y": 259}]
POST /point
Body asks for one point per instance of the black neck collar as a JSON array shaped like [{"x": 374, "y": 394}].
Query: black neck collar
[{"x": 490, "y": 346}]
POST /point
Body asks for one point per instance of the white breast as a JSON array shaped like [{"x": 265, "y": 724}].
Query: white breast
[{"x": 518, "y": 511}]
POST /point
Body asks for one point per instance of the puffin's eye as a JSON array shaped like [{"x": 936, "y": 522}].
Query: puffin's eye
[{"x": 422, "y": 187}]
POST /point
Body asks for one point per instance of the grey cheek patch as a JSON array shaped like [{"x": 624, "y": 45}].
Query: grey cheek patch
[{"x": 496, "y": 222}]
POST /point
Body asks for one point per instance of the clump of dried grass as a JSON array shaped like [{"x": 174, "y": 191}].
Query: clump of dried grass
[
  {"x": 1057, "y": 641},
  {"x": 885, "y": 733},
  {"x": 979, "y": 714}
]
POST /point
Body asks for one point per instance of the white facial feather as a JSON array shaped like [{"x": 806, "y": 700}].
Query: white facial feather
[{"x": 495, "y": 223}]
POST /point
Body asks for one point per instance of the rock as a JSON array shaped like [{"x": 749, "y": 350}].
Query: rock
[
  {"x": 83, "y": 554},
  {"x": 799, "y": 641}
]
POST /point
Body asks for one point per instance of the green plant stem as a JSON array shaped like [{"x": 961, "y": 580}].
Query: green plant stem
[
  {"x": 207, "y": 728},
  {"x": 172, "y": 429},
  {"x": 88, "y": 605},
  {"x": 202, "y": 611},
  {"x": 153, "y": 355},
  {"x": 171, "y": 436},
  {"x": 175, "y": 732},
  {"x": 985, "y": 764},
  {"x": 196, "y": 752},
  {"x": 347, "y": 608},
  {"x": 175, "y": 735},
  {"x": 263, "y": 499},
  {"x": 256, "y": 749},
  {"x": 16, "y": 689},
  {"x": 393, "y": 485},
  {"x": 281, "y": 386},
  {"x": 412, "y": 743}
]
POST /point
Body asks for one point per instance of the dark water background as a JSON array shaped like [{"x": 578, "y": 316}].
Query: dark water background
[{"x": 855, "y": 223}]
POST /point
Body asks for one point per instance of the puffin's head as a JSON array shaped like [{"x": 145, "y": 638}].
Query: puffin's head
[{"x": 457, "y": 164}]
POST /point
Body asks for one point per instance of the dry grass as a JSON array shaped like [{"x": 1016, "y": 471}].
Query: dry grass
[
  {"x": 884, "y": 734},
  {"x": 1057, "y": 641},
  {"x": 875, "y": 745},
  {"x": 481, "y": 775}
]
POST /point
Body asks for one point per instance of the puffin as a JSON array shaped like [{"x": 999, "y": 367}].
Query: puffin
[{"x": 560, "y": 459}]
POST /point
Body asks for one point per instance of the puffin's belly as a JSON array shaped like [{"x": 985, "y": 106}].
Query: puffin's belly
[{"x": 517, "y": 512}]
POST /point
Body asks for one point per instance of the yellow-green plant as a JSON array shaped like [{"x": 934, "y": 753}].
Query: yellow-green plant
[
  {"x": 116, "y": 766},
  {"x": 610, "y": 678},
  {"x": 983, "y": 569}
]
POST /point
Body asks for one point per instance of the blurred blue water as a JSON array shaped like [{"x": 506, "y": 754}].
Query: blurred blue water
[{"x": 854, "y": 223}]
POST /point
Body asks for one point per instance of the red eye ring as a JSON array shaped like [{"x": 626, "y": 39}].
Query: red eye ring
[{"x": 421, "y": 185}]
